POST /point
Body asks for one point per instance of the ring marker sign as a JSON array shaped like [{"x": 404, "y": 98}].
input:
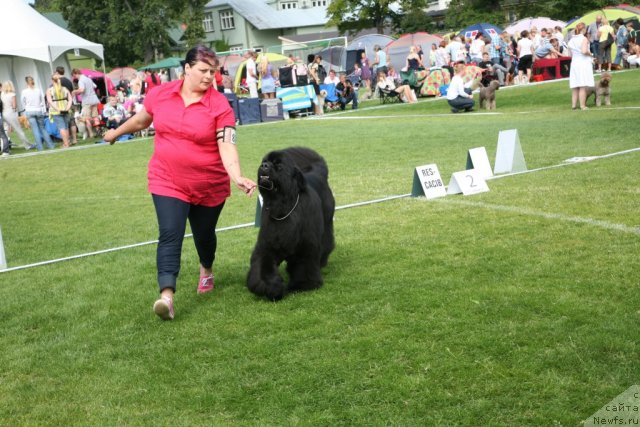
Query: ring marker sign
[
  {"x": 427, "y": 182},
  {"x": 509, "y": 157},
  {"x": 477, "y": 159},
  {"x": 258, "y": 211},
  {"x": 3, "y": 260},
  {"x": 467, "y": 182}
]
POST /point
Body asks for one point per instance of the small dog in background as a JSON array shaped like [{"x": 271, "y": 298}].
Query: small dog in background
[
  {"x": 24, "y": 122},
  {"x": 320, "y": 105},
  {"x": 602, "y": 90},
  {"x": 488, "y": 95}
]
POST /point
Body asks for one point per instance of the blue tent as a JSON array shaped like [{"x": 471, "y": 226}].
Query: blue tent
[{"x": 488, "y": 30}]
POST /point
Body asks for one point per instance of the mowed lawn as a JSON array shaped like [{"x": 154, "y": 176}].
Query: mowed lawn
[{"x": 518, "y": 306}]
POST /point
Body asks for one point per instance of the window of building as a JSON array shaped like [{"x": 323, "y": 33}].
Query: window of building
[
  {"x": 319, "y": 3},
  {"x": 236, "y": 48},
  {"x": 207, "y": 22},
  {"x": 289, "y": 5},
  {"x": 226, "y": 20}
]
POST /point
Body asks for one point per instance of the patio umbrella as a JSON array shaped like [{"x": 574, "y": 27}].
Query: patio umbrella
[
  {"x": 171, "y": 62},
  {"x": 123, "y": 73},
  {"x": 488, "y": 30},
  {"x": 540, "y": 22}
]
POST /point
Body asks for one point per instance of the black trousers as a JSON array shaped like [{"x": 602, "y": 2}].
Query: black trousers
[{"x": 172, "y": 222}]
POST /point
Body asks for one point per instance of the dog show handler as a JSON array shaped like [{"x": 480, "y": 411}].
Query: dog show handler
[{"x": 193, "y": 161}]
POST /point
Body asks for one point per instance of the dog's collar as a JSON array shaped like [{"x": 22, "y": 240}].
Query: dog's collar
[{"x": 290, "y": 212}]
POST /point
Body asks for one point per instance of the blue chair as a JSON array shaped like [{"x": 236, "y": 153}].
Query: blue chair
[{"x": 331, "y": 101}]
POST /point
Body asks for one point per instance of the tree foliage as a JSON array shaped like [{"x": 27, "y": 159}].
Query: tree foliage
[
  {"x": 131, "y": 31},
  {"x": 352, "y": 16}
]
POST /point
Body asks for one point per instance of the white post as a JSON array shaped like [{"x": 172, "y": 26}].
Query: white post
[{"x": 3, "y": 259}]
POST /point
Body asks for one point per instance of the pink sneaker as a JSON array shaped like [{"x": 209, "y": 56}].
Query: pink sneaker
[
  {"x": 205, "y": 284},
  {"x": 164, "y": 308}
]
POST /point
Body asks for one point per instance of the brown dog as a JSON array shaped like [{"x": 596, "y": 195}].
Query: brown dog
[
  {"x": 24, "y": 122},
  {"x": 602, "y": 90},
  {"x": 488, "y": 95}
]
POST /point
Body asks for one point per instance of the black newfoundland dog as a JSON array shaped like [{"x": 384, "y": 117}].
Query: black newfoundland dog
[{"x": 296, "y": 223}]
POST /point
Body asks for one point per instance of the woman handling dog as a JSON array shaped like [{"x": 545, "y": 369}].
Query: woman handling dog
[
  {"x": 459, "y": 97},
  {"x": 581, "y": 71},
  {"x": 194, "y": 158}
]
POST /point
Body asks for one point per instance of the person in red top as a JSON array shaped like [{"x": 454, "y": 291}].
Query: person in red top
[
  {"x": 151, "y": 80},
  {"x": 193, "y": 161}
]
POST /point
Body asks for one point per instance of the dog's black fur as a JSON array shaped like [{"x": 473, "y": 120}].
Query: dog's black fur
[{"x": 296, "y": 223}]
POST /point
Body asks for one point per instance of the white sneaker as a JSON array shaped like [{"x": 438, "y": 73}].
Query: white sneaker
[{"x": 5, "y": 154}]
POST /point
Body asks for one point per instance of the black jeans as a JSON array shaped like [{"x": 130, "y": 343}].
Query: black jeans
[{"x": 172, "y": 222}]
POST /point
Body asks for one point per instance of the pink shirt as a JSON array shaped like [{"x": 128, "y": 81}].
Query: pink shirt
[{"x": 186, "y": 161}]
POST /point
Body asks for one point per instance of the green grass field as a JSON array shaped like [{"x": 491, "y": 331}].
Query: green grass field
[{"x": 515, "y": 307}]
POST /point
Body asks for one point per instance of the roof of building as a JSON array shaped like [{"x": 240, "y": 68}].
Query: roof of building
[{"x": 264, "y": 17}]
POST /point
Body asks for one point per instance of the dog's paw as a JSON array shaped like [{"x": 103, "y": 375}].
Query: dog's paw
[{"x": 271, "y": 288}]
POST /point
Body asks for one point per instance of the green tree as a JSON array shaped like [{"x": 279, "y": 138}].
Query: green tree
[
  {"x": 131, "y": 30},
  {"x": 192, "y": 17},
  {"x": 414, "y": 21},
  {"x": 462, "y": 13},
  {"x": 352, "y": 16}
]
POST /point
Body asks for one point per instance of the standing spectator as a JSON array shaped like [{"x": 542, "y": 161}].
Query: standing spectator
[
  {"x": 495, "y": 49},
  {"x": 477, "y": 48},
  {"x": 442, "y": 56},
  {"x": 9, "y": 113},
  {"x": 89, "y": 113},
  {"x": 581, "y": 71},
  {"x": 34, "y": 108},
  {"x": 268, "y": 76},
  {"x": 604, "y": 46},
  {"x": 72, "y": 122},
  {"x": 535, "y": 37},
  {"x": 413, "y": 61},
  {"x": 557, "y": 34},
  {"x": 459, "y": 97},
  {"x": 189, "y": 172},
  {"x": 380, "y": 62},
  {"x": 525, "y": 57},
  {"x": 592, "y": 35},
  {"x": 5, "y": 143},
  {"x": 432, "y": 55},
  {"x": 314, "y": 73},
  {"x": 366, "y": 73},
  {"x": 252, "y": 74},
  {"x": 622, "y": 41},
  {"x": 151, "y": 80},
  {"x": 59, "y": 102},
  {"x": 456, "y": 51}
]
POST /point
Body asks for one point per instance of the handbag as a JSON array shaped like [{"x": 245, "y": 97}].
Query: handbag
[{"x": 608, "y": 42}]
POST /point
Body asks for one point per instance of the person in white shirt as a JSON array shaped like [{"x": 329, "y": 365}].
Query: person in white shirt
[
  {"x": 456, "y": 50},
  {"x": 477, "y": 48},
  {"x": 459, "y": 96},
  {"x": 331, "y": 78},
  {"x": 252, "y": 74},
  {"x": 525, "y": 56},
  {"x": 34, "y": 108}
]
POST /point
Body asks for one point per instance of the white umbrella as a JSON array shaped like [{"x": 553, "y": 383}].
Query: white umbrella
[{"x": 527, "y": 23}]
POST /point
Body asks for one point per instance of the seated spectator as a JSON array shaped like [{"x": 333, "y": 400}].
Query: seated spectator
[
  {"x": 459, "y": 96},
  {"x": 386, "y": 83},
  {"x": 547, "y": 49},
  {"x": 393, "y": 75},
  {"x": 331, "y": 78},
  {"x": 114, "y": 113},
  {"x": 346, "y": 93},
  {"x": 634, "y": 55},
  {"x": 492, "y": 71}
]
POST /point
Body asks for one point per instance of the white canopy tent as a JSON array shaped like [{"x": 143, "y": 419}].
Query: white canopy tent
[{"x": 32, "y": 45}]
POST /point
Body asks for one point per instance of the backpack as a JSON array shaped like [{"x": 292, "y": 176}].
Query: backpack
[{"x": 322, "y": 73}]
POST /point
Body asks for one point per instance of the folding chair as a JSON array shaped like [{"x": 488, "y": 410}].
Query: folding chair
[{"x": 389, "y": 96}]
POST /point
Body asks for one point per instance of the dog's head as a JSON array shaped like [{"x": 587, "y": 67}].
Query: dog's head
[
  {"x": 495, "y": 85},
  {"x": 605, "y": 79},
  {"x": 278, "y": 173},
  {"x": 323, "y": 93}
]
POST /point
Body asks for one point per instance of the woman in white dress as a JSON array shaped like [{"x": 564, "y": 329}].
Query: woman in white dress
[{"x": 581, "y": 72}]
